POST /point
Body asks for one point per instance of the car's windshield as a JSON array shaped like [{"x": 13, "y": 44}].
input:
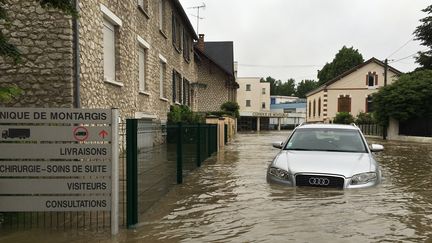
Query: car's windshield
[{"x": 326, "y": 139}]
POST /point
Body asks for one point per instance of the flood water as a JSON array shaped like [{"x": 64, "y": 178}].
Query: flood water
[{"x": 229, "y": 200}]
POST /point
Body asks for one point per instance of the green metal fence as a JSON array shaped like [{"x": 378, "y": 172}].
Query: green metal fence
[{"x": 160, "y": 156}]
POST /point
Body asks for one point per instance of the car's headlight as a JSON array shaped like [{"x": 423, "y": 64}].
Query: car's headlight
[
  {"x": 363, "y": 178},
  {"x": 280, "y": 173}
]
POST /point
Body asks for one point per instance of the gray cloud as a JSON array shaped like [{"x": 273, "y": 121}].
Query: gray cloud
[{"x": 274, "y": 37}]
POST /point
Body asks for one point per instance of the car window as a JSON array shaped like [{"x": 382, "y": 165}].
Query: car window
[{"x": 325, "y": 139}]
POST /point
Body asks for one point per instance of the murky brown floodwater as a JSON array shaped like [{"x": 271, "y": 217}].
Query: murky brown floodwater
[{"x": 229, "y": 200}]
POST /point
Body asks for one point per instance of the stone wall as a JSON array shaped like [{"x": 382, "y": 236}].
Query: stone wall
[
  {"x": 98, "y": 93},
  {"x": 216, "y": 93},
  {"x": 44, "y": 37},
  {"x": 46, "y": 73}
]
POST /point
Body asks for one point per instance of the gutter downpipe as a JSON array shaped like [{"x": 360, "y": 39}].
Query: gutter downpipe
[{"x": 76, "y": 59}]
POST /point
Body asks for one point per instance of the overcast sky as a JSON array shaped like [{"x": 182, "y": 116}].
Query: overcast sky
[{"x": 293, "y": 39}]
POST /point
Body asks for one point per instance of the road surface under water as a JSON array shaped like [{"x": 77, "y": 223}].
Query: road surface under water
[{"x": 229, "y": 200}]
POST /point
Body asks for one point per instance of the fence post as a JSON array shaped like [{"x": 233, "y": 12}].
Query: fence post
[
  {"x": 225, "y": 133},
  {"x": 179, "y": 154},
  {"x": 209, "y": 141},
  {"x": 198, "y": 145},
  {"x": 132, "y": 172},
  {"x": 114, "y": 172}
]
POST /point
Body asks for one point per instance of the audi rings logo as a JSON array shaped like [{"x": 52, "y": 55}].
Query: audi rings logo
[{"x": 318, "y": 181}]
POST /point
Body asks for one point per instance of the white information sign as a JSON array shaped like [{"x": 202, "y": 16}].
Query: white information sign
[
  {"x": 54, "y": 168},
  {"x": 59, "y": 160},
  {"x": 54, "y": 133},
  {"x": 55, "y": 204},
  {"x": 54, "y": 186},
  {"x": 52, "y": 115}
]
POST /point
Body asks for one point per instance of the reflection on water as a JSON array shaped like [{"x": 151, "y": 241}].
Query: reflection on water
[{"x": 229, "y": 200}]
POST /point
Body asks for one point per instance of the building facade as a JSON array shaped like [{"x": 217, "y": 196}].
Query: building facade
[
  {"x": 294, "y": 111},
  {"x": 280, "y": 99},
  {"x": 253, "y": 97},
  {"x": 349, "y": 92},
  {"x": 216, "y": 77},
  {"x": 137, "y": 56}
]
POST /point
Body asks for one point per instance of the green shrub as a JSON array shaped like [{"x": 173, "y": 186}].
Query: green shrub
[
  {"x": 364, "y": 118},
  {"x": 231, "y": 107},
  {"x": 343, "y": 118},
  {"x": 183, "y": 114}
]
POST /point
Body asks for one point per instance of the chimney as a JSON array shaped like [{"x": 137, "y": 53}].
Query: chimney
[{"x": 201, "y": 42}]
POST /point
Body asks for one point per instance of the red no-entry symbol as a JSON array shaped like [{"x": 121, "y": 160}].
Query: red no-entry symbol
[{"x": 80, "y": 133}]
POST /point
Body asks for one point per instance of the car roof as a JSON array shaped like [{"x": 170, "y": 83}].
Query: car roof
[{"x": 331, "y": 126}]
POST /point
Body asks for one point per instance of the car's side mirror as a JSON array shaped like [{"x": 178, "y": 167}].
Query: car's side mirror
[
  {"x": 278, "y": 145},
  {"x": 376, "y": 147}
]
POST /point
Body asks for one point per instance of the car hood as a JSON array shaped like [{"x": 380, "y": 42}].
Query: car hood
[{"x": 322, "y": 162}]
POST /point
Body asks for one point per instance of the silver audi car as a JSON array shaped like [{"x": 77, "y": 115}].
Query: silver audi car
[{"x": 326, "y": 155}]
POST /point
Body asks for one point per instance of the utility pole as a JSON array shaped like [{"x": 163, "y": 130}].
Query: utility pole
[
  {"x": 385, "y": 71},
  {"x": 385, "y": 84},
  {"x": 198, "y": 14}
]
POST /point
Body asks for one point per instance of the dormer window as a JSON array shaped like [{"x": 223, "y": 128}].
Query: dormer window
[{"x": 372, "y": 79}]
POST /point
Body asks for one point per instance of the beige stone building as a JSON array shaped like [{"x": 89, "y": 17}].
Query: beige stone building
[
  {"x": 137, "y": 56},
  {"x": 253, "y": 97},
  {"x": 349, "y": 92}
]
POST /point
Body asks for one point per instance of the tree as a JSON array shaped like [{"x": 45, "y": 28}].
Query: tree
[
  {"x": 344, "y": 60},
  {"x": 287, "y": 88},
  {"x": 423, "y": 33},
  {"x": 273, "y": 84},
  {"x": 408, "y": 97},
  {"x": 8, "y": 50},
  {"x": 305, "y": 86}
]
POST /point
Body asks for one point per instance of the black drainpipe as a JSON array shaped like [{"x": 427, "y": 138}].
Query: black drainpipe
[{"x": 76, "y": 58}]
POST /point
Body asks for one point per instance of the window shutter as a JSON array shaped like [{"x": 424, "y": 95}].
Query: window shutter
[
  {"x": 367, "y": 79},
  {"x": 141, "y": 71},
  {"x": 376, "y": 79},
  {"x": 109, "y": 51},
  {"x": 174, "y": 86}
]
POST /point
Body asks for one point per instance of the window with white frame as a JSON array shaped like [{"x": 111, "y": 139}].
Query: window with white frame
[
  {"x": 372, "y": 79},
  {"x": 162, "y": 78},
  {"x": 248, "y": 103},
  {"x": 111, "y": 23},
  {"x": 109, "y": 53},
  {"x": 263, "y": 90},
  {"x": 248, "y": 87},
  {"x": 263, "y": 105}
]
